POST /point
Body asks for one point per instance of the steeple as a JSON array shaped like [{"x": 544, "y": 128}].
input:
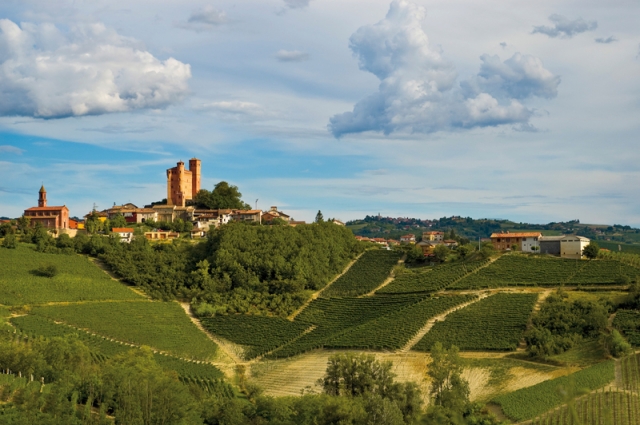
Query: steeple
[{"x": 42, "y": 197}]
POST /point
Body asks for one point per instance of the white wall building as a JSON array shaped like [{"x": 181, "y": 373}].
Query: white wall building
[{"x": 571, "y": 246}]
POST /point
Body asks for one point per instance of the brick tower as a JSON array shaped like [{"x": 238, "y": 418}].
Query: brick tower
[
  {"x": 42, "y": 197},
  {"x": 182, "y": 184},
  {"x": 194, "y": 167}
]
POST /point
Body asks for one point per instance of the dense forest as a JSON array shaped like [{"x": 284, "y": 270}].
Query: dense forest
[{"x": 239, "y": 268}]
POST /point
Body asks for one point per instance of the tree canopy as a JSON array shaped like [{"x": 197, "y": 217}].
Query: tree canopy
[{"x": 223, "y": 196}]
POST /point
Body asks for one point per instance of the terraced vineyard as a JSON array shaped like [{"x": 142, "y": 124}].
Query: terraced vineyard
[
  {"x": 394, "y": 330},
  {"x": 493, "y": 324},
  {"x": 37, "y": 326},
  {"x": 369, "y": 272},
  {"x": 601, "y": 407},
  {"x": 161, "y": 325},
  {"x": 431, "y": 280},
  {"x": 531, "y": 402},
  {"x": 258, "y": 334},
  {"x": 602, "y": 272},
  {"x": 78, "y": 279},
  {"x": 334, "y": 316},
  {"x": 628, "y": 322}
]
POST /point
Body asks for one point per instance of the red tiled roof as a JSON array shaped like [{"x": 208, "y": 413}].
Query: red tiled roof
[
  {"x": 47, "y": 208},
  {"x": 516, "y": 235},
  {"x": 122, "y": 230}
]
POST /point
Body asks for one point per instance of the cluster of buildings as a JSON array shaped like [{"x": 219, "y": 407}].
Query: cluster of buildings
[
  {"x": 566, "y": 246},
  {"x": 182, "y": 186},
  {"x": 430, "y": 240}
]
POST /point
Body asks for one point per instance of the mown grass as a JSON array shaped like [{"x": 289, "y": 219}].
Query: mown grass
[
  {"x": 160, "y": 325},
  {"x": 78, "y": 279}
]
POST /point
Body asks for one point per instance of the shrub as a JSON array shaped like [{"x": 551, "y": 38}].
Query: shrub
[
  {"x": 10, "y": 241},
  {"x": 47, "y": 270}
]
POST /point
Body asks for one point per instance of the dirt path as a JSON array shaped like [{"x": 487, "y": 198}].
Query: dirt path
[
  {"x": 232, "y": 351},
  {"x": 315, "y": 295},
  {"x": 427, "y": 327},
  {"x": 387, "y": 280}
]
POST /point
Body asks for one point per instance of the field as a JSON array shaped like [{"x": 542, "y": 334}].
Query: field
[
  {"x": 366, "y": 274},
  {"x": 77, "y": 280},
  {"x": 331, "y": 317},
  {"x": 258, "y": 334},
  {"x": 628, "y": 322},
  {"x": 431, "y": 280},
  {"x": 531, "y": 402},
  {"x": 393, "y": 331},
  {"x": 626, "y": 248},
  {"x": 520, "y": 270},
  {"x": 160, "y": 325},
  {"x": 495, "y": 323},
  {"x": 104, "y": 348}
]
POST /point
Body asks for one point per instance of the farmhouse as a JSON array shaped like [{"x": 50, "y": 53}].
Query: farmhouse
[
  {"x": 410, "y": 238},
  {"x": 571, "y": 246},
  {"x": 49, "y": 217},
  {"x": 524, "y": 241},
  {"x": 125, "y": 233},
  {"x": 433, "y": 236}
]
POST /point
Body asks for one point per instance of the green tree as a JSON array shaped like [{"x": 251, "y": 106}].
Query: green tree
[
  {"x": 448, "y": 388},
  {"x": 441, "y": 252},
  {"x": 23, "y": 223},
  {"x": 117, "y": 220},
  {"x": 92, "y": 223},
  {"x": 6, "y": 229},
  {"x": 464, "y": 251},
  {"x": 591, "y": 251},
  {"x": 319, "y": 217},
  {"x": 223, "y": 196},
  {"x": 10, "y": 241}
]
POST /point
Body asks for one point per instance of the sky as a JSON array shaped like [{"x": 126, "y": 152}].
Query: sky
[{"x": 507, "y": 109}]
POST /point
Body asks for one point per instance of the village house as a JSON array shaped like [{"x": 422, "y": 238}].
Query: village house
[
  {"x": 124, "y": 233},
  {"x": 409, "y": 238},
  {"x": 54, "y": 218},
  {"x": 432, "y": 236},
  {"x": 254, "y": 216},
  {"x": 161, "y": 235},
  {"x": 571, "y": 246},
  {"x": 273, "y": 213},
  {"x": 523, "y": 241}
]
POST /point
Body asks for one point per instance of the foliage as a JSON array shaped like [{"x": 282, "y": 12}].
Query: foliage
[
  {"x": 494, "y": 323},
  {"x": 369, "y": 272},
  {"x": 616, "y": 345},
  {"x": 394, "y": 330},
  {"x": 430, "y": 280},
  {"x": 259, "y": 334},
  {"x": 448, "y": 388},
  {"x": 591, "y": 251},
  {"x": 529, "y": 402},
  {"x": 117, "y": 220},
  {"x": 93, "y": 224},
  {"x": 560, "y": 324},
  {"x": 441, "y": 252},
  {"x": 10, "y": 241},
  {"x": 77, "y": 279},
  {"x": 331, "y": 317},
  {"x": 47, "y": 270},
  {"x": 628, "y": 322},
  {"x": 161, "y": 325},
  {"x": 223, "y": 196},
  {"x": 319, "y": 217}
]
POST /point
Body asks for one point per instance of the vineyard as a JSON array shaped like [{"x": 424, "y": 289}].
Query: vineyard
[
  {"x": 431, "y": 280},
  {"x": 337, "y": 315},
  {"x": 628, "y": 322},
  {"x": 495, "y": 323},
  {"x": 103, "y": 348},
  {"x": 519, "y": 270},
  {"x": 365, "y": 275},
  {"x": 258, "y": 334},
  {"x": 161, "y": 325},
  {"x": 394, "y": 330},
  {"x": 78, "y": 279},
  {"x": 531, "y": 402}
]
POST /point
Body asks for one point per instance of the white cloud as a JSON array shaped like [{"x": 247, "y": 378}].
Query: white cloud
[
  {"x": 291, "y": 56},
  {"x": 606, "y": 40},
  {"x": 10, "y": 149},
  {"x": 204, "y": 19},
  {"x": 238, "y": 110},
  {"x": 88, "y": 70},
  {"x": 418, "y": 89},
  {"x": 296, "y": 4},
  {"x": 565, "y": 28}
]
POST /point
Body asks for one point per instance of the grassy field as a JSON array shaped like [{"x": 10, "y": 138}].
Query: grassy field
[
  {"x": 160, "y": 325},
  {"x": 78, "y": 279}
]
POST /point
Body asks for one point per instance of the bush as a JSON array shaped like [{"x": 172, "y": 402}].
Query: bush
[
  {"x": 10, "y": 241},
  {"x": 616, "y": 345},
  {"x": 47, "y": 270}
]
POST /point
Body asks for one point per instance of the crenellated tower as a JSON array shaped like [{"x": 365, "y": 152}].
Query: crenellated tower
[{"x": 182, "y": 184}]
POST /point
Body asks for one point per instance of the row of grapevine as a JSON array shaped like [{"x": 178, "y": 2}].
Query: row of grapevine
[
  {"x": 530, "y": 402},
  {"x": 102, "y": 348},
  {"x": 630, "y": 373},
  {"x": 599, "y": 272},
  {"x": 628, "y": 322},
  {"x": 598, "y": 408},
  {"x": 214, "y": 386},
  {"x": 394, "y": 330},
  {"x": 431, "y": 280},
  {"x": 494, "y": 323},
  {"x": 331, "y": 317},
  {"x": 366, "y": 274},
  {"x": 258, "y": 334}
]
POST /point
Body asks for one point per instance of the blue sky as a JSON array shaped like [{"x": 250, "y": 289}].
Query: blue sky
[{"x": 504, "y": 109}]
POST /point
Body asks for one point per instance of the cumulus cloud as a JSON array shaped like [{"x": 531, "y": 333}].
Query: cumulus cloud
[
  {"x": 204, "y": 19},
  {"x": 296, "y": 4},
  {"x": 564, "y": 27},
  {"x": 419, "y": 89},
  {"x": 88, "y": 70},
  {"x": 10, "y": 149},
  {"x": 291, "y": 56},
  {"x": 607, "y": 40}
]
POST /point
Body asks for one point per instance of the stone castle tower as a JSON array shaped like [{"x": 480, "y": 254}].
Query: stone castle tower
[{"x": 182, "y": 184}]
